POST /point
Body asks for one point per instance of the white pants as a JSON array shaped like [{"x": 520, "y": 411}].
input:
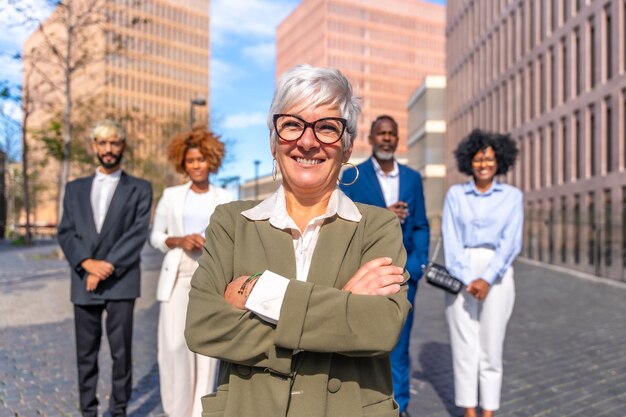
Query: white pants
[
  {"x": 184, "y": 376},
  {"x": 477, "y": 330}
]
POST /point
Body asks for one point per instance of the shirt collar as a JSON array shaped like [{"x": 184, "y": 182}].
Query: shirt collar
[
  {"x": 379, "y": 171},
  {"x": 115, "y": 176},
  {"x": 274, "y": 208},
  {"x": 470, "y": 187}
]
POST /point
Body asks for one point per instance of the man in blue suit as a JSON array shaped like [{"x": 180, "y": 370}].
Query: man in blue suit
[{"x": 383, "y": 182}]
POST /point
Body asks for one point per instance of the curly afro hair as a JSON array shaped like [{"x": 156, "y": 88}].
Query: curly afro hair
[
  {"x": 199, "y": 138},
  {"x": 479, "y": 140}
]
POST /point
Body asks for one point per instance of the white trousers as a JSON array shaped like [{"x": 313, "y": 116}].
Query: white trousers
[
  {"x": 184, "y": 376},
  {"x": 477, "y": 330}
]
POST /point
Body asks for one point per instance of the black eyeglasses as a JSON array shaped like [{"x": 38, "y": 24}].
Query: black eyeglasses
[{"x": 327, "y": 130}]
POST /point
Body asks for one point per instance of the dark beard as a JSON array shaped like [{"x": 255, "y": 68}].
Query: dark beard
[{"x": 109, "y": 165}]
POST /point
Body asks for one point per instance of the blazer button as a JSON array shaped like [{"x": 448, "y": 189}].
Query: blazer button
[
  {"x": 243, "y": 370},
  {"x": 333, "y": 385}
]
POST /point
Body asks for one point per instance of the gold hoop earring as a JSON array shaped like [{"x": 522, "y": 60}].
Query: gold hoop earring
[
  {"x": 274, "y": 170},
  {"x": 347, "y": 184}
]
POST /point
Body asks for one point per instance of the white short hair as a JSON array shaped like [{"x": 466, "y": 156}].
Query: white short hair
[
  {"x": 107, "y": 128},
  {"x": 314, "y": 87}
]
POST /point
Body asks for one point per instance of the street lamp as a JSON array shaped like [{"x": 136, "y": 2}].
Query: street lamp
[
  {"x": 192, "y": 103},
  {"x": 256, "y": 179}
]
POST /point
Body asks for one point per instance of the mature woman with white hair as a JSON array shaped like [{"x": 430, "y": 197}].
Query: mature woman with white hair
[{"x": 301, "y": 295}]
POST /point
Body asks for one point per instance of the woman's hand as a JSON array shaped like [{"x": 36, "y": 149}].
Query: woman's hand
[
  {"x": 189, "y": 243},
  {"x": 377, "y": 277},
  {"x": 479, "y": 288},
  {"x": 235, "y": 295}
]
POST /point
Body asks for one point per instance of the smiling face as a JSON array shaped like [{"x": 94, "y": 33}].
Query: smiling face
[
  {"x": 310, "y": 168},
  {"x": 384, "y": 139},
  {"x": 484, "y": 166},
  {"x": 196, "y": 166}
]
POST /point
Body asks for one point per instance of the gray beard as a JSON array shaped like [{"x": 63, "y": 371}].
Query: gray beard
[{"x": 383, "y": 156}]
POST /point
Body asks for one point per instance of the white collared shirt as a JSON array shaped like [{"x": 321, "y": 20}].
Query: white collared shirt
[
  {"x": 267, "y": 296},
  {"x": 389, "y": 182},
  {"x": 102, "y": 191}
]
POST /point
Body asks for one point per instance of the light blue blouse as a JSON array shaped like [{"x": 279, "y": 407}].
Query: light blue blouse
[{"x": 471, "y": 219}]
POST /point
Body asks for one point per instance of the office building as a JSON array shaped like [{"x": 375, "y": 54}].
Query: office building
[
  {"x": 427, "y": 129},
  {"x": 553, "y": 75},
  {"x": 146, "y": 62},
  {"x": 384, "y": 48}
]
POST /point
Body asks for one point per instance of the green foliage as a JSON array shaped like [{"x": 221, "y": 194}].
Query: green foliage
[{"x": 52, "y": 140}]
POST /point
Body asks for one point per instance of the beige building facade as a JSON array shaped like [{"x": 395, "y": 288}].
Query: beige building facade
[
  {"x": 553, "y": 75},
  {"x": 144, "y": 63},
  {"x": 427, "y": 129},
  {"x": 384, "y": 48}
]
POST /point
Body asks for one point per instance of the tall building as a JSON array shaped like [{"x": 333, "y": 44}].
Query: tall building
[
  {"x": 145, "y": 63},
  {"x": 384, "y": 48},
  {"x": 427, "y": 129},
  {"x": 553, "y": 75}
]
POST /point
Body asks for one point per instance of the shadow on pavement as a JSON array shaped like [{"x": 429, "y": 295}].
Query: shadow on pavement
[{"x": 435, "y": 360}]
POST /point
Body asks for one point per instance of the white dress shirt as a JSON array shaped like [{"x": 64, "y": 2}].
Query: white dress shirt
[
  {"x": 389, "y": 182},
  {"x": 102, "y": 190},
  {"x": 268, "y": 293}
]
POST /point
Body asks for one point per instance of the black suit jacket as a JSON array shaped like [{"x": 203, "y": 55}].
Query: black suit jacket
[{"x": 123, "y": 234}]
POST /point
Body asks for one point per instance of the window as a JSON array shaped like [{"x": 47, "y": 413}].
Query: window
[
  {"x": 564, "y": 71},
  {"x": 608, "y": 42},
  {"x": 553, "y": 79},
  {"x": 554, "y": 156},
  {"x": 608, "y": 229},
  {"x": 551, "y": 233},
  {"x": 592, "y": 148},
  {"x": 531, "y": 87},
  {"x": 530, "y": 162},
  {"x": 565, "y": 158},
  {"x": 608, "y": 134},
  {"x": 591, "y": 229},
  {"x": 593, "y": 53},
  {"x": 578, "y": 60},
  {"x": 542, "y": 86},
  {"x": 542, "y": 160},
  {"x": 576, "y": 234},
  {"x": 579, "y": 146}
]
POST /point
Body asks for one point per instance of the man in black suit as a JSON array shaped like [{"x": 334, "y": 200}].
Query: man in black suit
[{"x": 103, "y": 229}]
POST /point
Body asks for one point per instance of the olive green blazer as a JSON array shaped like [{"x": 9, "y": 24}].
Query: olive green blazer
[{"x": 342, "y": 368}]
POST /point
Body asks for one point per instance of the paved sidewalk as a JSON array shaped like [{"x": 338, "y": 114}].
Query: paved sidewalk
[
  {"x": 37, "y": 345},
  {"x": 565, "y": 353}
]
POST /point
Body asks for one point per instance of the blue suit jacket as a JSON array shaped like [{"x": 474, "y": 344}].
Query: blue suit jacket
[{"x": 415, "y": 229}]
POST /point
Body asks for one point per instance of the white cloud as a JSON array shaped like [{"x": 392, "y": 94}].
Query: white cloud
[
  {"x": 262, "y": 54},
  {"x": 253, "y": 18},
  {"x": 224, "y": 75},
  {"x": 20, "y": 20},
  {"x": 244, "y": 120}
]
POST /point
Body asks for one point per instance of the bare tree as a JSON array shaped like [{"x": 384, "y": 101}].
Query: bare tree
[{"x": 69, "y": 42}]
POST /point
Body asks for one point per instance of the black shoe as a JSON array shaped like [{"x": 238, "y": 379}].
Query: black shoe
[{"x": 404, "y": 414}]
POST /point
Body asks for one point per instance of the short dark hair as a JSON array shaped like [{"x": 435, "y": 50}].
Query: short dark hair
[
  {"x": 479, "y": 140},
  {"x": 383, "y": 117}
]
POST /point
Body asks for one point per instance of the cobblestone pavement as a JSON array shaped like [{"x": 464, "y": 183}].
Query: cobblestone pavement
[
  {"x": 564, "y": 354},
  {"x": 37, "y": 345}
]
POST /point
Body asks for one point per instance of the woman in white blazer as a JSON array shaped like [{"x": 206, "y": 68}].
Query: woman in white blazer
[{"x": 181, "y": 217}]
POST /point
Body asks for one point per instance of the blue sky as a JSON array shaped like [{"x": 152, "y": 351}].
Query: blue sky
[{"x": 242, "y": 74}]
